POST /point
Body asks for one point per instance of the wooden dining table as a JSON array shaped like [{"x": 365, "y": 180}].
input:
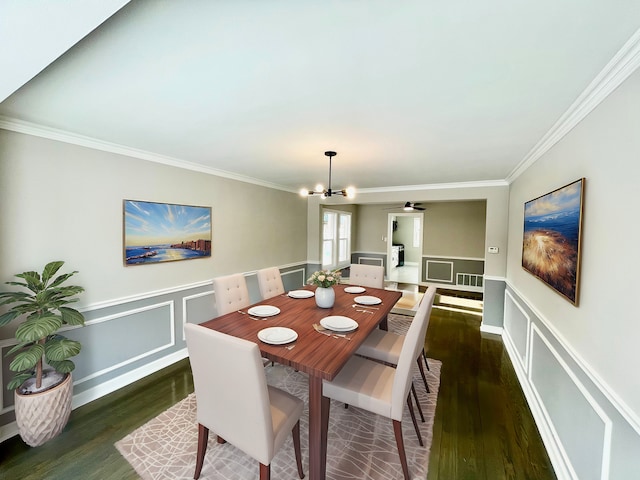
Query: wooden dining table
[{"x": 318, "y": 355}]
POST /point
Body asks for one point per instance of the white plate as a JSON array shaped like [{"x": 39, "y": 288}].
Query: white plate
[
  {"x": 339, "y": 323},
  {"x": 301, "y": 293},
  {"x": 264, "y": 311},
  {"x": 367, "y": 300},
  {"x": 277, "y": 335},
  {"x": 354, "y": 289}
]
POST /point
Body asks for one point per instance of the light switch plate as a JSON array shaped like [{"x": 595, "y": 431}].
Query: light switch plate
[{"x": 494, "y": 249}]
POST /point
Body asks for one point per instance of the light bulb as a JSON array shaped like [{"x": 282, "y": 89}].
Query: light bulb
[
  {"x": 351, "y": 192},
  {"x": 319, "y": 188},
  {"x": 304, "y": 192}
]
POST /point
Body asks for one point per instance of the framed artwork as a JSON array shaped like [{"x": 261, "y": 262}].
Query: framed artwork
[
  {"x": 165, "y": 232},
  {"x": 552, "y": 235}
]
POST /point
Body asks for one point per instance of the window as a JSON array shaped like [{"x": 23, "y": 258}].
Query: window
[{"x": 336, "y": 239}]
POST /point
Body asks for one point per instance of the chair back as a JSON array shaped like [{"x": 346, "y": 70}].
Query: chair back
[
  {"x": 231, "y": 293},
  {"x": 366, "y": 275},
  {"x": 231, "y": 390},
  {"x": 411, "y": 348},
  {"x": 270, "y": 282}
]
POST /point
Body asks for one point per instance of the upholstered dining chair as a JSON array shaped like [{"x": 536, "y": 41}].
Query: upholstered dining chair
[
  {"x": 380, "y": 388},
  {"x": 386, "y": 346},
  {"x": 366, "y": 275},
  {"x": 270, "y": 282},
  {"x": 249, "y": 414},
  {"x": 231, "y": 293}
]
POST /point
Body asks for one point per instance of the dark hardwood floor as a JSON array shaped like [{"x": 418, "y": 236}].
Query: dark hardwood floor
[{"x": 483, "y": 427}]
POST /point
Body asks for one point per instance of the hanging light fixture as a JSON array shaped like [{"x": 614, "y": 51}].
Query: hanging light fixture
[{"x": 348, "y": 192}]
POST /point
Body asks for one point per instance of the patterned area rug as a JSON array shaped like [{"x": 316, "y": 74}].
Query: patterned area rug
[{"x": 360, "y": 445}]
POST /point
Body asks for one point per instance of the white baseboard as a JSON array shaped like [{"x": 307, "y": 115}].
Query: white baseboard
[
  {"x": 11, "y": 429},
  {"x": 491, "y": 329},
  {"x": 548, "y": 439},
  {"x": 7, "y": 431},
  {"x": 128, "y": 378}
]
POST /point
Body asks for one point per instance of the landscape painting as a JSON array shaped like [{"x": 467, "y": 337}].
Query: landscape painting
[
  {"x": 165, "y": 232},
  {"x": 551, "y": 244}
]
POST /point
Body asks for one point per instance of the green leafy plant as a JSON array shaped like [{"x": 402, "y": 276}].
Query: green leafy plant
[{"x": 45, "y": 306}]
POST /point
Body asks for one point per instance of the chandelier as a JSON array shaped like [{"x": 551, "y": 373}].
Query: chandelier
[{"x": 349, "y": 192}]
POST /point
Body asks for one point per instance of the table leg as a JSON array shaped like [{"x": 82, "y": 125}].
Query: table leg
[{"x": 318, "y": 424}]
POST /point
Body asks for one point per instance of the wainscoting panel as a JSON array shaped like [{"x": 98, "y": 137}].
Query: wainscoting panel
[
  {"x": 588, "y": 433},
  {"x": 98, "y": 357},
  {"x": 582, "y": 428},
  {"x": 465, "y": 273},
  {"x": 294, "y": 278},
  {"x": 439, "y": 271},
  {"x": 369, "y": 258},
  {"x": 517, "y": 326}
]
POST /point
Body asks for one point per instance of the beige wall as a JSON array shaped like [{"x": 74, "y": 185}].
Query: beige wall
[
  {"x": 455, "y": 228},
  {"x": 604, "y": 329},
  {"x": 372, "y": 219},
  {"x": 61, "y": 201}
]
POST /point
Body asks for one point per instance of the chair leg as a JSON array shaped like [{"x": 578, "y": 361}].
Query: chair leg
[
  {"x": 203, "y": 438},
  {"x": 397, "y": 429},
  {"x": 424, "y": 377},
  {"x": 424, "y": 355},
  {"x": 295, "y": 433},
  {"x": 265, "y": 472},
  {"x": 415, "y": 396},
  {"x": 413, "y": 419}
]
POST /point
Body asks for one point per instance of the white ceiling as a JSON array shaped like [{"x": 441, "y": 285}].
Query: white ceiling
[{"x": 412, "y": 92}]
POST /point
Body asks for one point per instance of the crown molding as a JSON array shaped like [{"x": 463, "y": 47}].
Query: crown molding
[
  {"x": 29, "y": 128},
  {"x": 621, "y": 66},
  {"x": 435, "y": 186}
]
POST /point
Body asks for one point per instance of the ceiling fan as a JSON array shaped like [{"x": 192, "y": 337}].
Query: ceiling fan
[{"x": 408, "y": 207}]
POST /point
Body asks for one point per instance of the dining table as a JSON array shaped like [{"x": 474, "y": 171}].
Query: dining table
[{"x": 319, "y": 354}]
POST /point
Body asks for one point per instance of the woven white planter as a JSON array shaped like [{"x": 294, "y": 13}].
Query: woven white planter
[{"x": 42, "y": 416}]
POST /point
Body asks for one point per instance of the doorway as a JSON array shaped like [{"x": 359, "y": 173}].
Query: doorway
[{"x": 404, "y": 247}]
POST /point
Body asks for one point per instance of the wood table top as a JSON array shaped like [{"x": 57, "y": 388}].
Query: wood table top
[{"x": 314, "y": 353}]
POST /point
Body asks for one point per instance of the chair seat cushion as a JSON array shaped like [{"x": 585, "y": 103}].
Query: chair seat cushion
[
  {"x": 363, "y": 383},
  {"x": 285, "y": 412},
  {"x": 382, "y": 346}
]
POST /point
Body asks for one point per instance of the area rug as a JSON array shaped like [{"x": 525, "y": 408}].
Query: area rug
[{"x": 360, "y": 445}]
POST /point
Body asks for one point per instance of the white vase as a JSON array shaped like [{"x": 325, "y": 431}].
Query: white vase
[{"x": 325, "y": 297}]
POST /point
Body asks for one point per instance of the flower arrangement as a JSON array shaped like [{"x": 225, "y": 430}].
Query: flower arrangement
[{"x": 325, "y": 278}]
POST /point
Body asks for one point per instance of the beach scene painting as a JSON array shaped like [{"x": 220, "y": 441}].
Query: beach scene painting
[
  {"x": 551, "y": 243},
  {"x": 165, "y": 232}
]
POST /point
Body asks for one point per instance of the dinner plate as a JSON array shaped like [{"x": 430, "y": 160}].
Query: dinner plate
[
  {"x": 367, "y": 300},
  {"x": 277, "y": 335},
  {"x": 301, "y": 293},
  {"x": 354, "y": 289},
  {"x": 264, "y": 311},
  {"x": 338, "y": 323}
]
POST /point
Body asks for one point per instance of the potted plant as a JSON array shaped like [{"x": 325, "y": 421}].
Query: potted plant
[
  {"x": 42, "y": 395},
  {"x": 325, "y": 280}
]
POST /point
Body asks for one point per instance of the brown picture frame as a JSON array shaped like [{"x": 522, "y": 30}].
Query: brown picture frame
[
  {"x": 155, "y": 232},
  {"x": 552, "y": 238}
]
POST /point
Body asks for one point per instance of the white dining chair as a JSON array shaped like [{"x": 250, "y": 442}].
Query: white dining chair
[
  {"x": 386, "y": 346},
  {"x": 270, "y": 282},
  {"x": 234, "y": 401},
  {"x": 231, "y": 293},
  {"x": 366, "y": 275},
  {"x": 380, "y": 388}
]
